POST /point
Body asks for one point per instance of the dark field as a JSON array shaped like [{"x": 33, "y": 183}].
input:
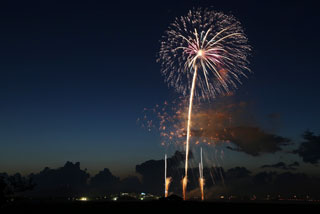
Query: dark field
[{"x": 157, "y": 206}]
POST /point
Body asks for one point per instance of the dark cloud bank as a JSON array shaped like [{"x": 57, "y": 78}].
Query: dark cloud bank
[
  {"x": 71, "y": 181},
  {"x": 282, "y": 165},
  {"x": 309, "y": 149},
  {"x": 235, "y": 181},
  {"x": 277, "y": 179}
]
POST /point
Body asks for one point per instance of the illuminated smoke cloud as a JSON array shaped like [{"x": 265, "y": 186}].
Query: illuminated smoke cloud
[{"x": 232, "y": 123}]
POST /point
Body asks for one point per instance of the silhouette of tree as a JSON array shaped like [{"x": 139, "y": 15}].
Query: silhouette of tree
[
  {"x": 104, "y": 182},
  {"x": 131, "y": 184},
  {"x": 66, "y": 181},
  {"x": 3, "y": 190},
  {"x": 11, "y": 185}
]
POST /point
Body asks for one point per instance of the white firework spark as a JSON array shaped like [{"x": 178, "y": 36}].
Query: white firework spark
[{"x": 210, "y": 42}]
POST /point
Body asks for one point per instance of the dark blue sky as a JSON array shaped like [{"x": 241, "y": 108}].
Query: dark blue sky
[{"x": 74, "y": 77}]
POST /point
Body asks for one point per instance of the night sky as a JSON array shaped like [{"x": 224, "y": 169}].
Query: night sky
[{"x": 74, "y": 78}]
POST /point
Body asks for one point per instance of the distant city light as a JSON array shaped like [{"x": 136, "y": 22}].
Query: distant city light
[{"x": 83, "y": 199}]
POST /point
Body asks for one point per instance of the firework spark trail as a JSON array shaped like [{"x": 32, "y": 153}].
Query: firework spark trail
[
  {"x": 167, "y": 180},
  {"x": 201, "y": 182},
  {"x": 212, "y": 178},
  {"x": 165, "y": 176},
  {"x": 185, "y": 179},
  {"x": 219, "y": 166},
  {"x": 215, "y": 44},
  {"x": 201, "y": 179},
  {"x": 221, "y": 158}
]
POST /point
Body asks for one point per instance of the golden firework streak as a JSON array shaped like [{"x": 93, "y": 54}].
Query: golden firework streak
[
  {"x": 185, "y": 179},
  {"x": 167, "y": 181},
  {"x": 201, "y": 179}
]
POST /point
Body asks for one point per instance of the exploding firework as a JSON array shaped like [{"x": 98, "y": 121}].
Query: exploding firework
[
  {"x": 203, "y": 54},
  {"x": 211, "y": 45}
]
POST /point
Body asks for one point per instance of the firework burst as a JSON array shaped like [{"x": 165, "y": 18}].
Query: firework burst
[
  {"x": 207, "y": 42},
  {"x": 203, "y": 54}
]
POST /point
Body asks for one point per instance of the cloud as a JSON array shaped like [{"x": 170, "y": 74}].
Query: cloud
[
  {"x": 225, "y": 120},
  {"x": 152, "y": 171},
  {"x": 282, "y": 165},
  {"x": 130, "y": 184},
  {"x": 254, "y": 141},
  {"x": 264, "y": 183},
  {"x": 294, "y": 164},
  {"x": 237, "y": 172},
  {"x": 309, "y": 149},
  {"x": 251, "y": 140},
  {"x": 68, "y": 180},
  {"x": 105, "y": 181},
  {"x": 234, "y": 123}
]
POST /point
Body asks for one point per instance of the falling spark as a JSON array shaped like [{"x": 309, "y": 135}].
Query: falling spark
[
  {"x": 201, "y": 179},
  {"x": 219, "y": 166},
  {"x": 168, "y": 120},
  {"x": 203, "y": 54}
]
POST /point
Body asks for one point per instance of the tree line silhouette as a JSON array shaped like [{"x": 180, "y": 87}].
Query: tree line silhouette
[{"x": 71, "y": 181}]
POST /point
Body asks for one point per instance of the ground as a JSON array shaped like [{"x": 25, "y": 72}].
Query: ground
[{"x": 154, "y": 206}]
